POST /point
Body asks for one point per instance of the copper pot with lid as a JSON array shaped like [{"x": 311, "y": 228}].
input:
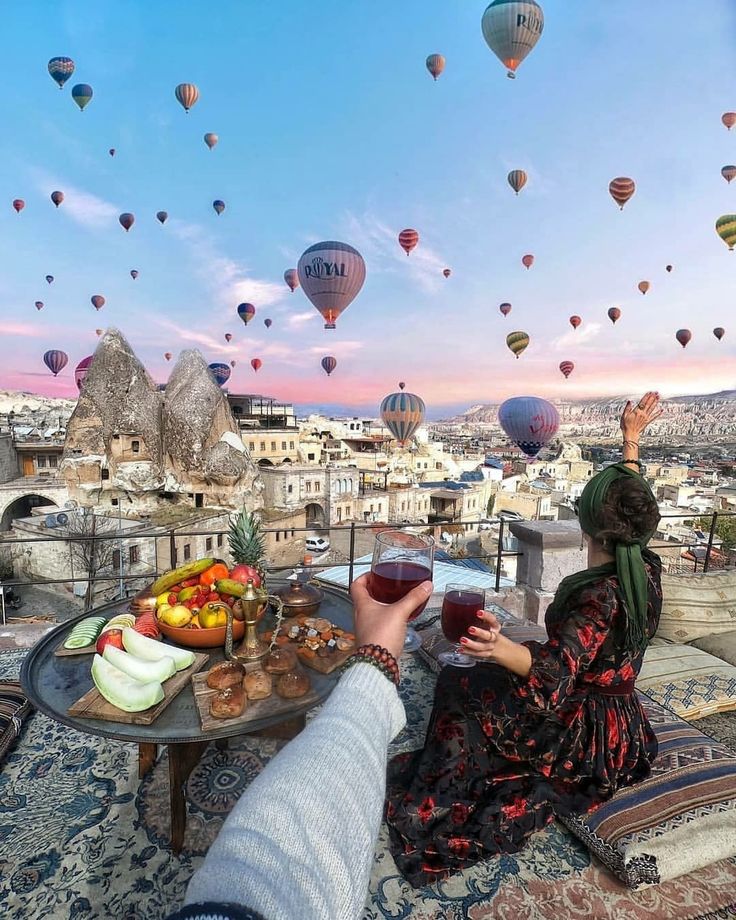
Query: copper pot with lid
[{"x": 300, "y": 598}]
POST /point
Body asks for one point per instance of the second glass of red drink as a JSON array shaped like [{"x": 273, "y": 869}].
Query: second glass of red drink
[
  {"x": 401, "y": 561},
  {"x": 459, "y": 612}
]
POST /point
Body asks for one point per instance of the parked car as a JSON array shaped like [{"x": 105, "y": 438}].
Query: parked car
[
  {"x": 488, "y": 523},
  {"x": 317, "y": 544},
  {"x": 511, "y": 515}
]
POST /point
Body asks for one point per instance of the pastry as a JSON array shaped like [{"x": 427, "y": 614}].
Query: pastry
[
  {"x": 258, "y": 685},
  {"x": 225, "y": 674},
  {"x": 292, "y": 685},
  {"x": 228, "y": 703},
  {"x": 280, "y": 661}
]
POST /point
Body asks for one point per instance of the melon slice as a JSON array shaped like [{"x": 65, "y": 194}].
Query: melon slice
[
  {"x": 137, "y": 668},
  {"x": 122, "y": 690},
  {"x": 151, "y": 650}
]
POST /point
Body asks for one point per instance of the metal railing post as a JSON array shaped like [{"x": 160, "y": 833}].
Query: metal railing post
[
  {"x": 499, "y": 554},
  {"x": 172, "y": 550},
  {"x": 351, "y": 570},
  {"x": 711, "y": 535}
]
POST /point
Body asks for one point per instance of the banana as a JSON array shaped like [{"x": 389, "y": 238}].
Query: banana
[{"x": 169, "y": 579}]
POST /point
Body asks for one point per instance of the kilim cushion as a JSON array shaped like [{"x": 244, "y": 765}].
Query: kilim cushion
[
  {"x": 678, "y": 820},
  {"x": 697, "y": 605},
  {"x": 14, "y": 709},
  {"x": 688, "y": 680}
]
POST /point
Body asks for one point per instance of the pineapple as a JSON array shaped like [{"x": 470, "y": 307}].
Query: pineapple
[{"x": 246, "y": 542}]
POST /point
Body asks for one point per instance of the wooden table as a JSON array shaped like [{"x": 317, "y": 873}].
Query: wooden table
[{"x": 53, "y": 683}]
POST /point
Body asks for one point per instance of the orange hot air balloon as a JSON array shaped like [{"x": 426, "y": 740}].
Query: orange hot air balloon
[
  {"x": 643, "y": 286},
  {"x": 517, "y": 179},
  {"x": 408, "y": 240},
  {"x": 98, "y": 301},
  {"x": 256, "y": 364},
  {"x": 446, "y": 272},
  {"x": 435, "y": 64},
  {"x": 575, "y": 321},
  {"x": 98, "y": 332},
  {"x": 228, "y": 336},
  {"x": 567, "y": 367},
  {"x": 719, "y": 332},
  {"x": 683, "y": 336},
  {"x": 614, "y": 314},
  {"x": 505, "y": 308},
  {"x": 126, "y": 220},
  {"x": 168, "y": 355},
  {"x": 622, "y": 189},
  {"x": 18, "y": 204},
  {"x": 729, "y": 119},
  {"x": 527, "y": 261}
]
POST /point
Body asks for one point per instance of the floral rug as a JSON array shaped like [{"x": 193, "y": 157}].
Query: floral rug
[{"x": 82, "y": 839}]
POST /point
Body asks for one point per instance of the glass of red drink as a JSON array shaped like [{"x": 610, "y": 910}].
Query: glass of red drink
[
  {"x": 401, "y": 561},
  {"x": 459, "y": 612}
]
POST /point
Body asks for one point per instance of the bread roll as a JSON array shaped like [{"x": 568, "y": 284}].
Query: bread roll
[
  {"x": 258, "y": 685},
  {"x": 225, "y": 674},
  {"x": 280, "y": 661},
  {"x": 292, "y": 685},
  {"x": 228, "y": 703}
]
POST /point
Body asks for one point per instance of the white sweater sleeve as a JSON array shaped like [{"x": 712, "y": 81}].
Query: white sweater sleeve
[{"x": 300, "y": 841}]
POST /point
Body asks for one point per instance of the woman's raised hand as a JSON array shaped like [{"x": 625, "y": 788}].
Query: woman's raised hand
[
  {"x": 482, "y": 639},
  {"x": 635, "y": 419}
]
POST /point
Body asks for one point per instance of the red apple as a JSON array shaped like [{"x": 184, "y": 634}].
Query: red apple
[
  {"x": 112, "y": 637},
  {"x": 243, "y": 573}
]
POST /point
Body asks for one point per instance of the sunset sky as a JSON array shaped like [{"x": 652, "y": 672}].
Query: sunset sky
[{"x": 330, "y": 127}]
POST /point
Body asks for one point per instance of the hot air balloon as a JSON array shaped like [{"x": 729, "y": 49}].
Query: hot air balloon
[
  {"x": 232, "y": 364},
  {"x": 246, "y": 311},
  {"x": 268, "y": 323},
  {"x": 126, "y": 220},
  {"x": 39, "y": 305},
  {"x": 729, "y": 119},
  {"x": 435, "y": 64},
  {"x": 256, "y": 364},
  {"x": 111, "y": 151},
  {"x": 621, "y": 190},
  {"x": 162, "y": 216},
  {"x": 331, "y": 275},
  {"x": 98, "y": 301},
  {"x": 329, "y": 364},
  {"x": 291, "y": 277},
  {"x": 82, "y": 95},
  {"x": 683, "y": 336},
  {"x": 402, "y": 385},
  {"x": 80, "y": 371},
  {"x": 134, "y": 273},
  {"x": 187, "y": 94},
  {"x": 55, "y": 360},
  {"x": 211, "y": 139},
  {"x": 408, "y": 240},
  {"x": 221, "y": 373},
  {"x": 614, "y": 314},
  {"x": 511, "y": 29},
  {"x": 530, "y": 422},
  {"x": 575, "y": 321},
  {"x": 49, "y": 279},
  {"x": 517, "y": 342},
  {"x": 719, "y": 332},
  {"x": 668, "y": 268},
  {"x": 726, "y": 229},
  {"x": 527, "y": 261},
  {"x": 98, "y": 332},
  {"x": 219, "y": 206},
  {"x": 61, "y": 68},
  {"x": 728, "y": 173},
  {"x": 402, "y": 413},
  {"x": 228, "y": 336},
  {"x": 643, "y": 286},
  {"x": 18, "y": 204},
  {"x": 505, "y": 308},
  {"x": 57, "y": 198},
  {"x": 446, "y": 272},
  {"x": 168, "y": 355},
  {"x": 517, "y": 179},
  {"x": 567, "y": 367}
]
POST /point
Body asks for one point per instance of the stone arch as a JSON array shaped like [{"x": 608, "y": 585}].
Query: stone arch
[
  {"x": 265, "y": 462},
  {"x": 315, "y": 514},
  {"x": 21, "y": 507}
]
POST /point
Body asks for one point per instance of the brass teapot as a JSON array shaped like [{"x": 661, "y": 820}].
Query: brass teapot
[{"x": 254, "y": 602}]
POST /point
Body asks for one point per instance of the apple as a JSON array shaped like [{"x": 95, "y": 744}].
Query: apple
[
  {"x": 244, "y": 573},
  {"x": 112, "y": 637}
]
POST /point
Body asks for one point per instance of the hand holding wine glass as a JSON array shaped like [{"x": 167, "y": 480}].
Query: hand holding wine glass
[{"x": 379, "y": 624}]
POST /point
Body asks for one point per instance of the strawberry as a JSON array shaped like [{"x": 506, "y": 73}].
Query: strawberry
[
  {"x": 173, "y": 599},
  {"x": 176, "y": 589},
  {"x": 213, "y": 596}
]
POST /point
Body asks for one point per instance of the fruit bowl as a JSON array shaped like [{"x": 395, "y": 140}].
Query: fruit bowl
[{"x": 201, "y": 638}]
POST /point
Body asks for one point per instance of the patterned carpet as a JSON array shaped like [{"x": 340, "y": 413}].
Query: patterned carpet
[{"x": 83, "y": 839}]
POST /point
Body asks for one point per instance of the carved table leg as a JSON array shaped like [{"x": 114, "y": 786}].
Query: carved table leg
[
  {"x": 182, "y": 760},
  {"x": 147, "y": 754}
]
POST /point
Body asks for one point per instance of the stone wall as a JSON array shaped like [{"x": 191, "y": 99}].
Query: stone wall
[{"x": 9, "y": 468}]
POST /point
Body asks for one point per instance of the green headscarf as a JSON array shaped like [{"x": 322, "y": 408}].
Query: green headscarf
[{"x": 629, "y": 564}]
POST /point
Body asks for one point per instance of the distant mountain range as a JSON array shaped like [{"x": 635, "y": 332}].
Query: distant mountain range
[{"x": 32, "y": 404}]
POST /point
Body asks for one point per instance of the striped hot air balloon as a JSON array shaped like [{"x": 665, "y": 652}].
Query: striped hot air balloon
[
  {"x": 55, "y": 360},
  {"x": 527, "y": 261},
  {"x": 719, "y": 332},
  {"x": 566, "y": 367},
  {"x": 529, "y": 421},
  {"x": 505, "y": 308},
  {"x": 57, "y": 198},
  {"x": 80, "y": 371},
  {"x": 60, "y": 69},
  {"x": 726, "y": 229},
  {"x": 126, "y": 220},
  {"x": 643, "y": 286},
  {"x": 402, "y": 413},
  {"x": 511, "y": 29},
  {"x": 621, "y": 190},
  {"x": 331, "y": 275},
  {"x": 408, "y": 240},
  {"x": 256, "y": 364},
  {"x": 221, "y": 373},
  {"x": 211, "y": 139},
  {"x": 328, "y": 364},
  {"x": 435, "y": 64},
  {"x": 728, "y": 173},
  {"x": 82, "y": 94},
  {"x": 729, "y": 119},
  {"x": 517, "y": 342},
  {"x": 517, "y": 179},
  {"x": 187, "y": 94},
  {"x": 18, "y": 205},
  {"x": 614, "y": 314},
  {"x": 575, "y": 321},
  {"x": 98, "y": 301},
  {"x": 246, "y": 311},
  {"x": 683, "y": 336},
  {"x": 291, "y": 277}
]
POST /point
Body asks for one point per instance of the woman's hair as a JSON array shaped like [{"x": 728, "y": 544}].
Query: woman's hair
[{"x": 628, "y": 513}]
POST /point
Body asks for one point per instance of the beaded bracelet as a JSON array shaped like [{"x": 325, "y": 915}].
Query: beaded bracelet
[
  {"x": 379, "y": 658},
  {"x": 634, "y": 462}
]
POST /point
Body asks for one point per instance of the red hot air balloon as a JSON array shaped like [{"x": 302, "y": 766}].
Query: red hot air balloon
[
  {"x": 291, "y": 277},
  {"x": 126, "y": 220},
  {"x": 57, "y": 198},
  {"x": 729, "y": 119},
  {"x": 268, "y": 323},
  {"x": 446, "y": 272},
  {"x": 187, "y": 94},
  {"x": 98, "y": 301},
  {"x": 505, "y": 308},
  {"x": 134, "y": 273},
  {"x": 567, "y": 367},
  {"x": 162, "y": 216},
  {"x": 643, "y": 286},
  {"x": 435, "y": 64},
  {"x": 621, "y": 190},
  {"x": 18, "y": 204},
  {"x": 408, "y": 240},
  {"x": 527, "y": 261},
  {"x": 219, "y": 206},
  {"x": 719, "y": 332},
  {"x": 575, "y": 321},
  {"x": 256, "y": 364},
  {"x": 80, "y": 371},
  {"x": 39, "y": 305},
  {"x": 614, "y": 314},
  {"x": 228, "y": 336},
  {"x": 168, "y": 355},
  {"x": 683, "y": 336},
  {"x": 328, "y": 364}
]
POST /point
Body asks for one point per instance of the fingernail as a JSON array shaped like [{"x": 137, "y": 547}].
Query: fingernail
[
  {"x": 463, "y": 640},
  {"x": 427, "y": 586},
  {"x": 472, "y": 629},
  {"x": 479, "y": 614}
]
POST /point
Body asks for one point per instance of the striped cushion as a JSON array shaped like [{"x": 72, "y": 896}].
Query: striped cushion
[
  {"x": 14, "y": 708},
  {"x": 688, "y": 680},
  {"x": 697, "y": 605},
  {"x": 678, "y": 820}
]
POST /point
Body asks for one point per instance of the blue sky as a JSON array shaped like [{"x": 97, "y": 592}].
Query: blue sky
[{"x": 330, "y": 127}]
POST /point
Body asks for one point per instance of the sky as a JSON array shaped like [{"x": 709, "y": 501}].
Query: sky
[{"x": 330, "y": 127}]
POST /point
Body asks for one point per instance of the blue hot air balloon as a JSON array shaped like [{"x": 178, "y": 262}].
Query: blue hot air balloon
[
  {"x": 82, "y": 94},
  {"x": 246, "y": 311},
  {"x": 221, "y": 373},
  {"x": 530, "y": 422},
  {"x": 61, "y": 68},
  {"x": 402, "y": 414},
  {"x": 55, "y": 360}
]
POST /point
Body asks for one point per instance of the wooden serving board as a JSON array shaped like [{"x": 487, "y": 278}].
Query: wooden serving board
[
  {"x": 323, "y": 665},
  {"x": 62, "y": 652},
  {"x": 93, "y": 705},
  {"x": 255, "y": 709}
]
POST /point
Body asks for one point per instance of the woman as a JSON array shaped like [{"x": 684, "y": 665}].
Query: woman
[{"x": 541, "y": 728}]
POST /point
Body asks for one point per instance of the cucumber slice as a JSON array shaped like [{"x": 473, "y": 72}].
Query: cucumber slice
[{"x": 78, "y": 642}]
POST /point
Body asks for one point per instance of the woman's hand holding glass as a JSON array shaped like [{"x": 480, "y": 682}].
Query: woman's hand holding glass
[{"x": 486, "y": 642}]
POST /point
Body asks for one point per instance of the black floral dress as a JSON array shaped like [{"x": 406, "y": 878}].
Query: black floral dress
[{"x": 503, "y": 754}]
